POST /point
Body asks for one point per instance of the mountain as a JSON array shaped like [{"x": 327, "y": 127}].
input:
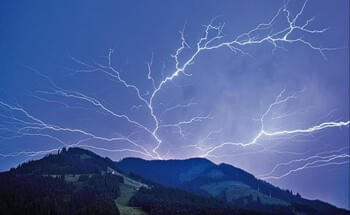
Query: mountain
[
  {"x": 73, "y": 181},
  {"x": 77, "y": 181},
  {"x": 226, "y": 183},
  {"x": 71, "y": 161}
]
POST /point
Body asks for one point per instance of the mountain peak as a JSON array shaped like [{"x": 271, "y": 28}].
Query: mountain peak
[
  {"x": 67, "y": 161},
  {"x": 194, "y": 160}
]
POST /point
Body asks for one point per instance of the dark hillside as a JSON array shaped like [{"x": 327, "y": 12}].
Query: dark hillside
[
  {"x": 67, "y": 161},
  {"x": 73, "y": 181},
  {"x": 226, "y": 183},
  {"x": 76, "y": 181},
  {"x": 36, "y": 194}
]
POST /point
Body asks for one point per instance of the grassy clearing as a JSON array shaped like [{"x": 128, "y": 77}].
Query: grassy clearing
[{"x": 126, "y": 192}]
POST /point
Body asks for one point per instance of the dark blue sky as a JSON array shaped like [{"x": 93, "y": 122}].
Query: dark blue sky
[{"x": 226, "y": 95}]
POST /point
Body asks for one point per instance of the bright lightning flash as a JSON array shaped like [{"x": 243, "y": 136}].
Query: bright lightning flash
[{"x": 18, "y": 122}]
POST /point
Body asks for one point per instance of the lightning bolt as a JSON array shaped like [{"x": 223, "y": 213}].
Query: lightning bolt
[
  {"x": 320, "y": 162},
  {"x": 318, "y": 156},
  {"x": 178, "y": 106},
  {"x": 280, "y": 99},
  {"x": 179, "y": 125},
  {"x": 212, "y": 39},
  {"x": 35, "y": 124}
]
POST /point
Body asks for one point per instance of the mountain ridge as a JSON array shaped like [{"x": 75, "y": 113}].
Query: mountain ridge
[
  {"x": 137, "y": 186},
  {"x": 223, "y": 181}
]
